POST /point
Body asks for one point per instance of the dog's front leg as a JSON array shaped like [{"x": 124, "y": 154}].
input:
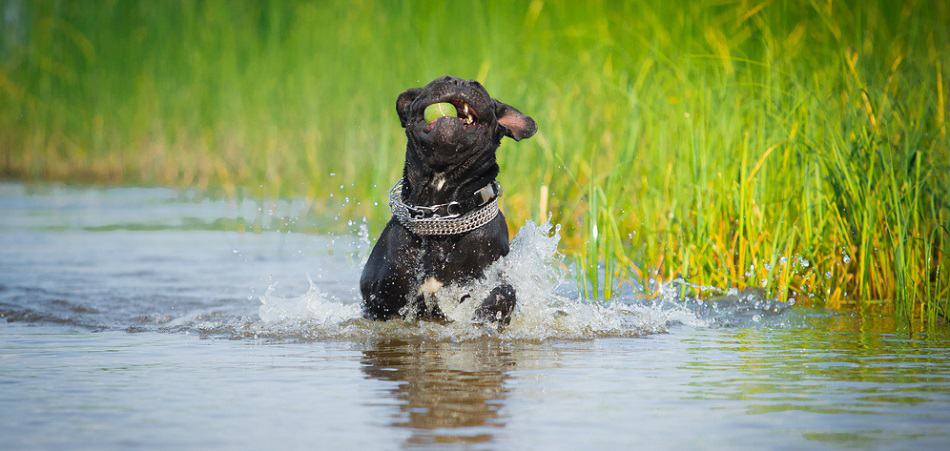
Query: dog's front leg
[
  {"x": 497, "y": 306},
  {"x": 389, "y": 278},
  {"x": 425, "y": 304}
]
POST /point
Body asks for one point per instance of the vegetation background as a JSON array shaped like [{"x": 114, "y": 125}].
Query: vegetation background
[{"x": 798, "y": 146}]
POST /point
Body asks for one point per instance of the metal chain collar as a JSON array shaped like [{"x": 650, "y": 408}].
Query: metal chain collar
[{"x": 436, "y": 224}]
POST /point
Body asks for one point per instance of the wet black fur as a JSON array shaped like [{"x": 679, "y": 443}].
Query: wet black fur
[{"x": 464, "y": 157}]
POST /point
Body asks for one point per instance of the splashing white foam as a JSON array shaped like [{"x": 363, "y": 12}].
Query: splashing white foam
[
  {"x": 532, "y": 267},
  {"x": 313, "y": 307}
]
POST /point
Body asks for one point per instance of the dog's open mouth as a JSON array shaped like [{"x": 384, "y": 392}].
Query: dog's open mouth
[{"x": 456, "y": 109}]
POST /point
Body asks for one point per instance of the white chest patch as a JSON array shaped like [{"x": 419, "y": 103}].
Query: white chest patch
[
  {"x": 438, "y": 181},
  {"x": 430, "y": 286}
]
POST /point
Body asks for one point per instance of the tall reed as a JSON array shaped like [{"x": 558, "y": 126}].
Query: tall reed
[{"x": 797, "y": 146}]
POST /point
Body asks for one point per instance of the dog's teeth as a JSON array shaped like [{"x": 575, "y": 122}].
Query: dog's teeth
[{"x": 465, "y": 109}]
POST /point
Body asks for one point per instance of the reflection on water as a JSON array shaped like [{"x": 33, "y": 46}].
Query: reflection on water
[
  {"x": 446, "y": 392},
  {"x": 872, "y": 387},
  {"x": 692, "y": 388}
]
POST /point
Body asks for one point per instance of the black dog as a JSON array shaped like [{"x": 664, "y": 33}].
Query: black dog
[{"x": 446, "y": 227}]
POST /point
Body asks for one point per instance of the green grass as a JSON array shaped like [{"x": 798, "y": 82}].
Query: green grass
[{"x": 723, "y": 142}]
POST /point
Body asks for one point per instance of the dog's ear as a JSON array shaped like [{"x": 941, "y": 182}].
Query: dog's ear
[
  {"x": 516, "y": 125},
  {"x": 403, "y": 102}
]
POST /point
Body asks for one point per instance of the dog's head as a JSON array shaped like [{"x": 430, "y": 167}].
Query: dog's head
[{"x": 478, "y": 125}]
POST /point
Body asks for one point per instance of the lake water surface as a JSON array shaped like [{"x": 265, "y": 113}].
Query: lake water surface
[{"x": 145, "y": 318}]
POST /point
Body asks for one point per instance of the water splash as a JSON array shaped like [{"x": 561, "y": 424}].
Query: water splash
[
  {"x": 313, "y": 306},
  {"x": 545, "y": 309}
]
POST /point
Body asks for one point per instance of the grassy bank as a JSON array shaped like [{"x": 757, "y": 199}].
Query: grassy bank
[{"x": 793, "y": 145}]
